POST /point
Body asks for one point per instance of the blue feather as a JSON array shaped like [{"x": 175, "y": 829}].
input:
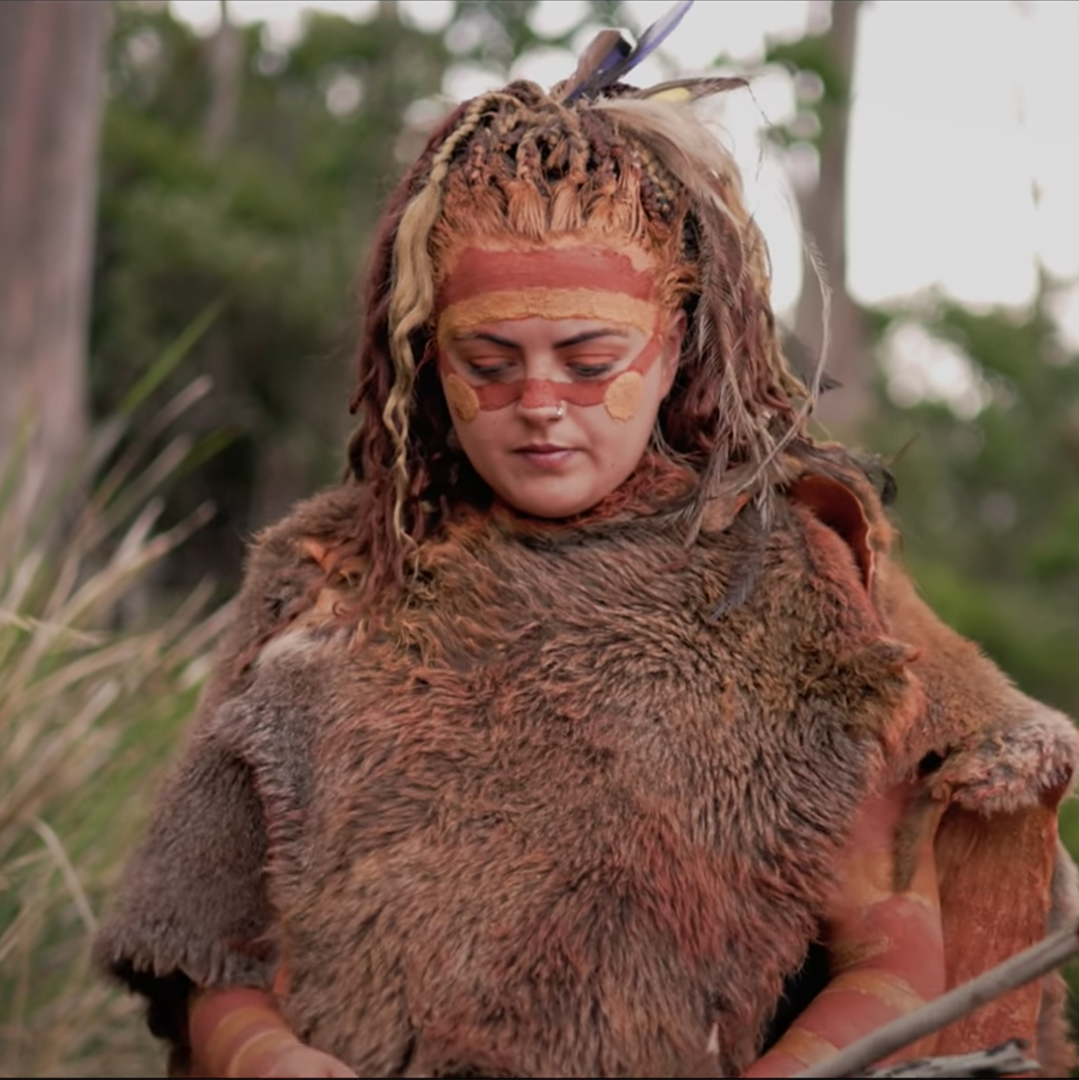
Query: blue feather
[
  {"x": 620, "y": 50},
  {"x": 620, "y": 58},
  {"x": 657, "y": 33}
]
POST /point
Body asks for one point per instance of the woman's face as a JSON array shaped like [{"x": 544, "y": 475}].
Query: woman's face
[{"x": 554, "y": 402}]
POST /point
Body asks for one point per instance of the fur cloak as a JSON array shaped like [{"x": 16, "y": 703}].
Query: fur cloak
[{"x": 578, "y": 806}]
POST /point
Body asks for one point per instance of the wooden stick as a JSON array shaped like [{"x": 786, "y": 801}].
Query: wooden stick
[
  {"x": 1007, "y": 1060},
  {"x": 1039, "y": 959}
]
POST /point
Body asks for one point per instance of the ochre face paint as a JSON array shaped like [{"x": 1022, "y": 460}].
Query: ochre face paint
[
  {"x": 545, "y": 303},
  {"x": 623, "y": 397},
  {"x": 620, "y": 394},
  {"x": 483, "y": 268},
  {"x": 462, "y": 399},
  {"x": 487, "y": 286}
]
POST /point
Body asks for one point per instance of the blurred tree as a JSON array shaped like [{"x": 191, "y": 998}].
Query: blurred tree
[
  {"x": 989, "y": 488},
  {"x": 226, "y": 74},
  {"x": 51, "y": 61},
  {"x": 822, "y": 68}
]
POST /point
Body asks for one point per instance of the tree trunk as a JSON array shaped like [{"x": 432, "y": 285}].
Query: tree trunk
[
  {"x": 51, "y": 93},
  {"x": 226, "y": 71},
  {"x": 823, "y": 213}
]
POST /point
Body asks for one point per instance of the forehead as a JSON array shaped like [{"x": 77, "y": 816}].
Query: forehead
[
  {"x": 567, "y": 257},
  {"x": 485, "y": 283}
]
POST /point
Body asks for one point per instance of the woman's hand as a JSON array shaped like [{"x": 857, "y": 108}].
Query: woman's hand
[
  {"x": 884, "y": 934},
  {"x": 238, "y": 1031}
]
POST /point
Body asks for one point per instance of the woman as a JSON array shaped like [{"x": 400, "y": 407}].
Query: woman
[{"x": 586, "y": 728}]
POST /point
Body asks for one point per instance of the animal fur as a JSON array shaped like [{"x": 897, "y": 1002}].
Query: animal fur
[
  {"x": 555, "y": 818},
  {"x": 1003, "y": 762}
]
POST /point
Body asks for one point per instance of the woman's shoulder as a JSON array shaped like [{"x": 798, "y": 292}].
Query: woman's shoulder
[
  {"x": 1003, "y": 748},
  {"x": 286, "y": 564},
  {"x": 308, "y": 528},
  {"x": 285, "y": 558}
]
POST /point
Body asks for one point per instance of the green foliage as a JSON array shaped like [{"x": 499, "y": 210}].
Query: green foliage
[
  {"x": 821, "y": 84},
  {"x": 811, "y": 54},
  {"x": 989, "y": 506},
  {"x": 273, "y": 223}
]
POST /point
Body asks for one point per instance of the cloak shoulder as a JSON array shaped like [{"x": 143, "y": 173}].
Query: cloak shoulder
[
  {"x": 1002, "y": 761},
  {"x": 192, "y": 907}
]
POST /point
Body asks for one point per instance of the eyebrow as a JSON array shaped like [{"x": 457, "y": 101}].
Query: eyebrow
[
  {"x": 577, "y": 339},
  {"x": 591, "y": 335}
]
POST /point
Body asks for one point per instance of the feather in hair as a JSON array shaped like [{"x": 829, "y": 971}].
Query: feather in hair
[
  {"x": 603, "y": 52},
  {"x": 687, "y": 90},
  {"x": 611, "y": 57}
]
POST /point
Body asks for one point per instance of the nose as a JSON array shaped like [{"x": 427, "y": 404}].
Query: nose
[{"x": 541, "y": 400}]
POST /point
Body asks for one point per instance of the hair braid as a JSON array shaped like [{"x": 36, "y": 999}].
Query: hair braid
[{"x": 412, "y": 297}]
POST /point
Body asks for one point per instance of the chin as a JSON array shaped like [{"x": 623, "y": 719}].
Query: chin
[
  {"x": 553, "y": 506},
  {"x": 554, "y": 512}
]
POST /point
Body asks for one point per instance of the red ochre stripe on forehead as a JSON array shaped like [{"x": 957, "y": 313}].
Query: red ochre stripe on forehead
[{"x": 480, "y": 270}]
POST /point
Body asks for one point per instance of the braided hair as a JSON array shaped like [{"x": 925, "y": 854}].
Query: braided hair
[{"x": 622, "y": 170}]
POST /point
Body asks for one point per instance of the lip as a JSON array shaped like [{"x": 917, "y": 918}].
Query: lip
[{"x": 546, "y": 455}]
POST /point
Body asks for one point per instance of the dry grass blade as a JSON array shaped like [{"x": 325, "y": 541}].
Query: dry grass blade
[
  {"x": 29, "y": 624},
  {"x": 44, "y": 753},
  {"x": 114, "y": 482},
  {"x": 87, "y": 702},
  {"x": 71, "y": 877}
]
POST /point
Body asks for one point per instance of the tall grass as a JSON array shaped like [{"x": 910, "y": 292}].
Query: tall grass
[{"x": 91, "y": 700}]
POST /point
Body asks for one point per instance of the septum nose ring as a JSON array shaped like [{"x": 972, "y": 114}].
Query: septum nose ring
[{"x": 540, "y": 394}]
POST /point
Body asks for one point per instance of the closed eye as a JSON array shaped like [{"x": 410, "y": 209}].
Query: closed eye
[
  {"x": 594, "y": 361},
  {"x": 494, "y": 369},
  {"x": 592, "y": 371}
]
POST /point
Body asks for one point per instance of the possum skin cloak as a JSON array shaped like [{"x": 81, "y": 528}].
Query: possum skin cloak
[{"x": 578, "y": 805}]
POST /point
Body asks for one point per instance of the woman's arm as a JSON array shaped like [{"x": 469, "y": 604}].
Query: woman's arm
[
  {"x": 884, "y": 937},
  {"x": 238, "y": 1031},
  {"x": 193, "y": 906}
]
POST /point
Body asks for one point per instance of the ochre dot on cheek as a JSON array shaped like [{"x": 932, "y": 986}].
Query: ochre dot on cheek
[
  {"x": 463, "y": 401},
  {"x": 624, "y": 396}
]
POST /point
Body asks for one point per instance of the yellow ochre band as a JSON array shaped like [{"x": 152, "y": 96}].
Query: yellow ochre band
[
  {"x": 241, "y": 1063},
  {"x": 807, "y": 1046},
  {"x": 883, "y": 985},
  {"x": 546, "y": 303}
]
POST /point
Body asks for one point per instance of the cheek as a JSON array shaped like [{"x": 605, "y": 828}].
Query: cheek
[
  {"x": 463, "y": 401},
  {"x": 482, "y": 439},
  {"x": 632, "y": 403},
  {"x": 624, "y": 397},
  {"x": 619, "y": 429},
  {"x": 641, "y": 387}
]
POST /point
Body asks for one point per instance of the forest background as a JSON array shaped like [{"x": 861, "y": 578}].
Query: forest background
[{"x": 182, "y": 215}]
